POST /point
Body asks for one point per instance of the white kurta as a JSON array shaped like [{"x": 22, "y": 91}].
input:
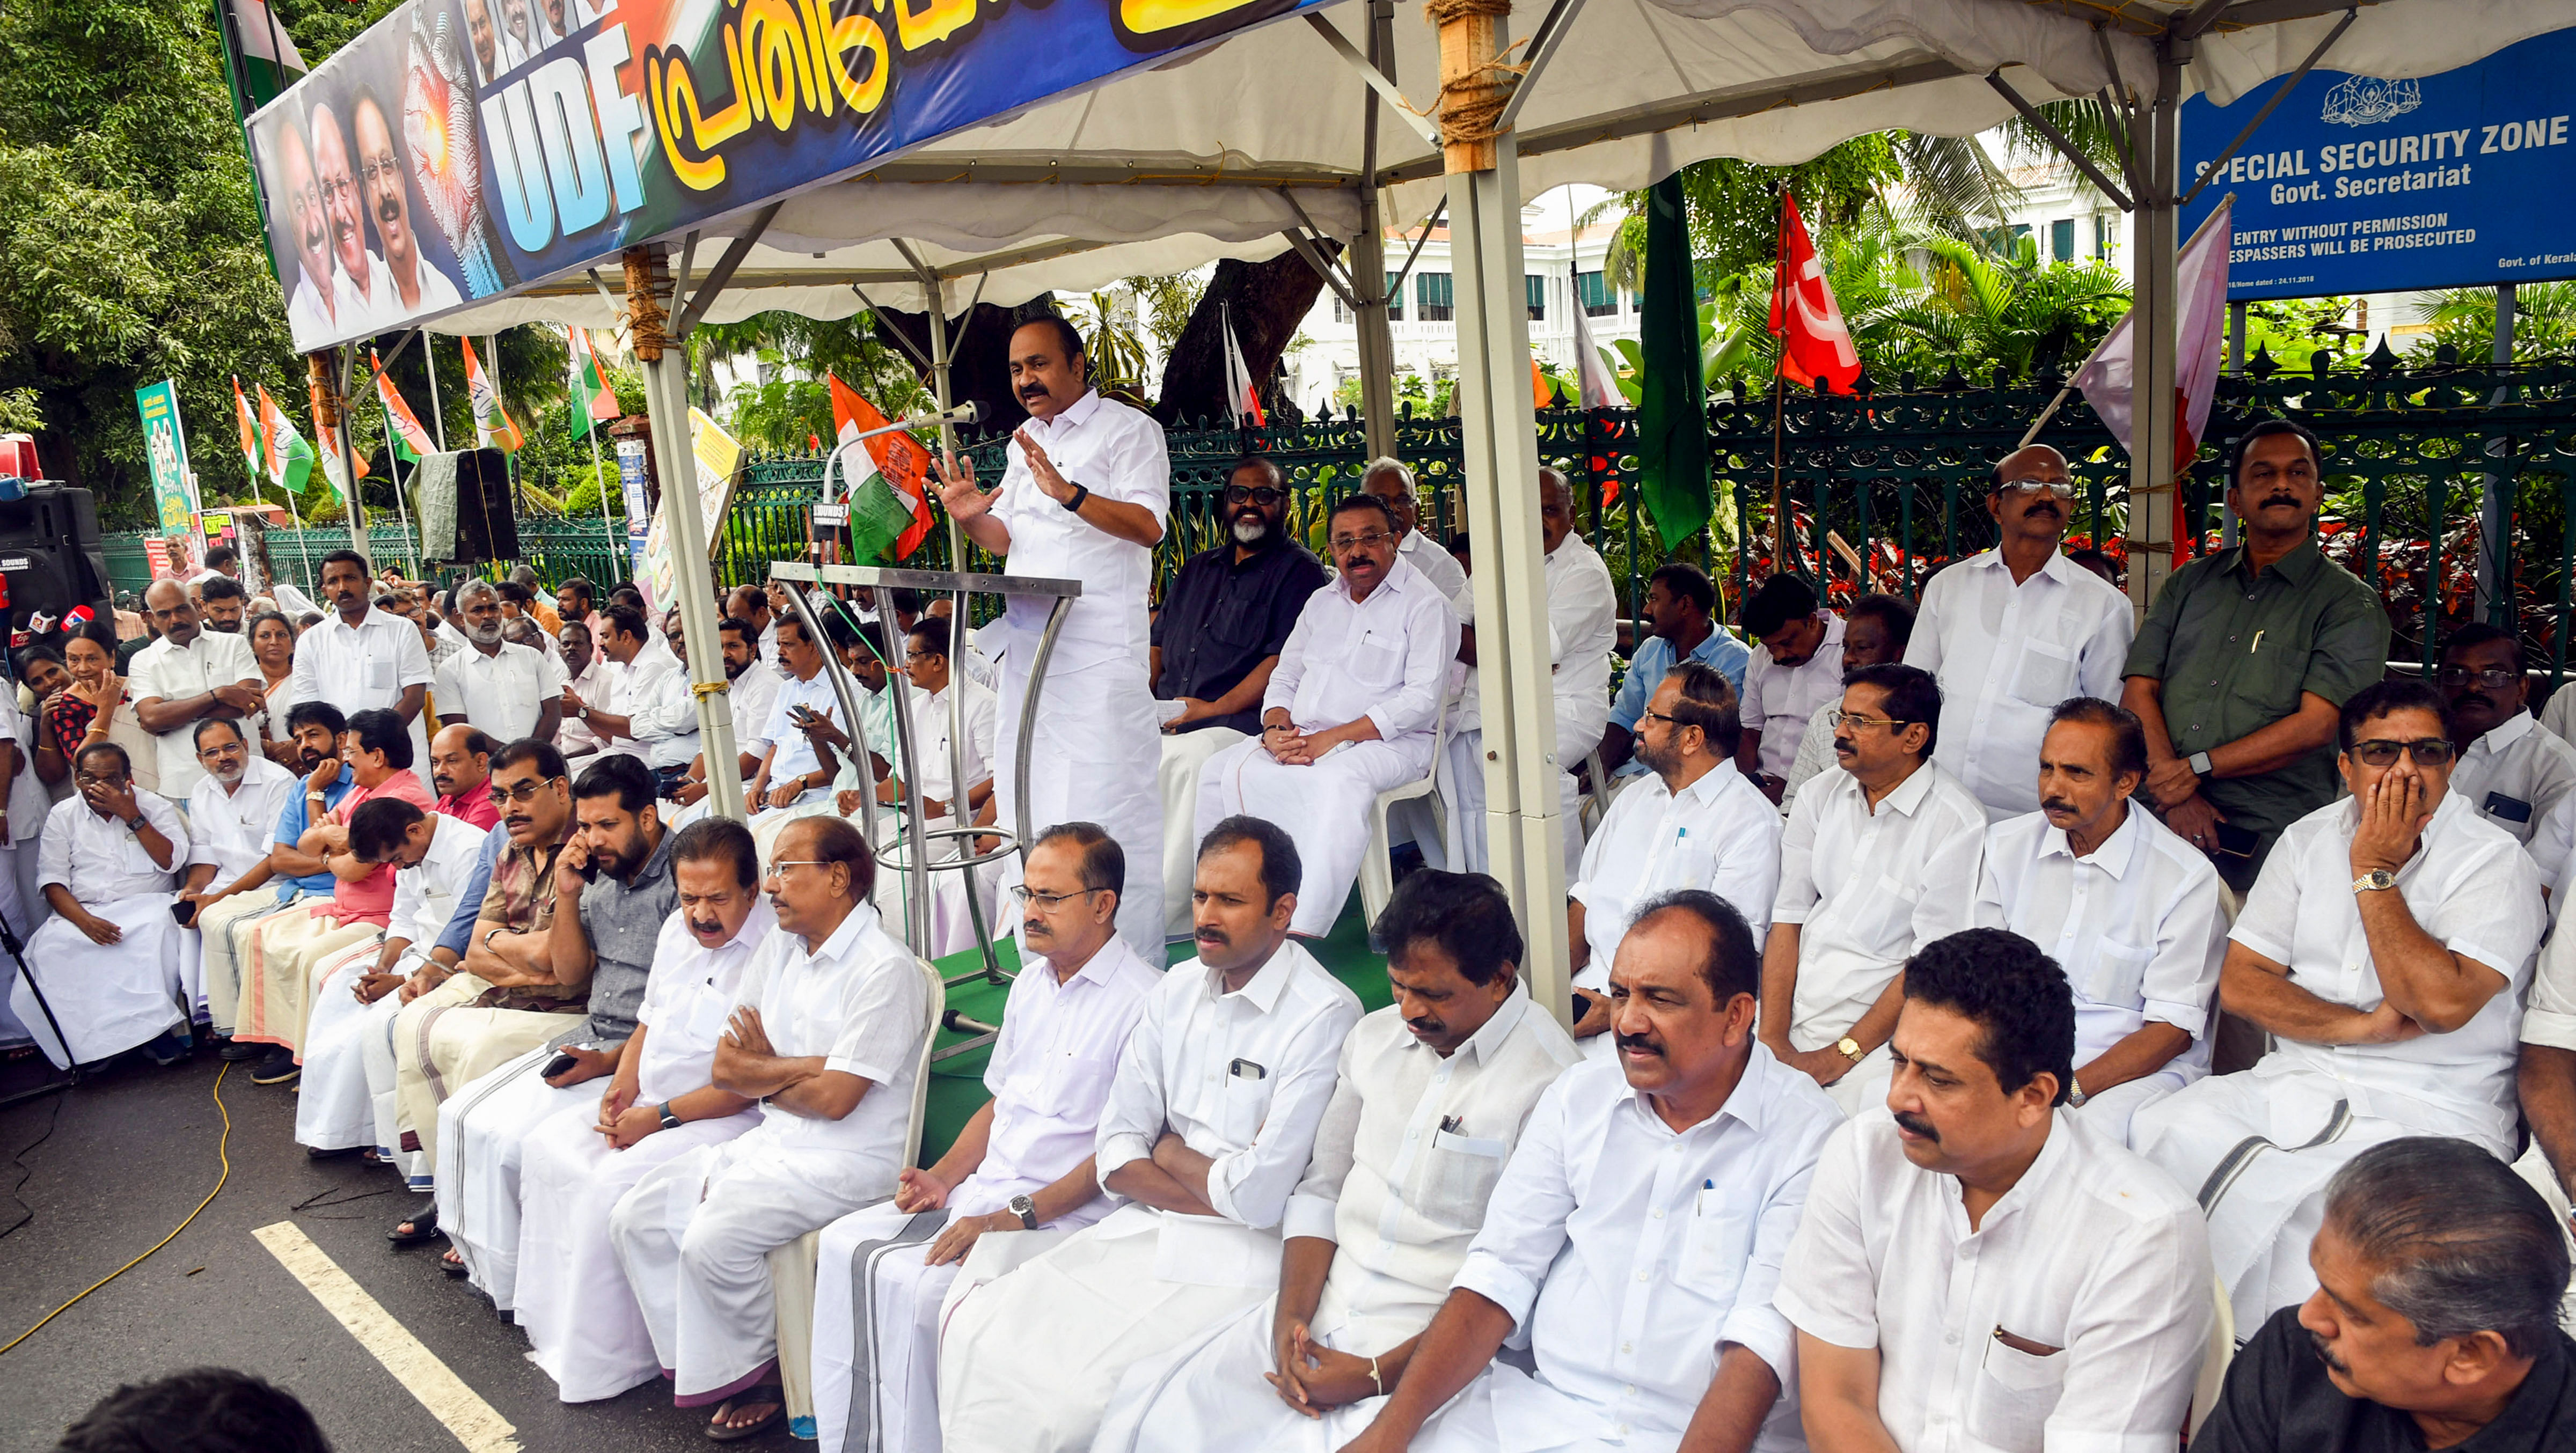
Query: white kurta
[
  {"x": 1385, "y": 658},
  {"x": 1779, "y": 700},
  {"x": 365, "y": 667},
  {"x": 168, "y": 672},
  {"x": 662, "y": 707},
  {"x": 2258, "y": 1147},
  {"x": 2523, "y": 779},
  {"x": 108, "y": 998},
  {"x": 1719, "y": 834},
  {"x": 500, "y": 695},
  {"x": 1028, "y": 1362},
  {"x": 1405, "y": 1159},
  {"x": 1095, "y": 747}
]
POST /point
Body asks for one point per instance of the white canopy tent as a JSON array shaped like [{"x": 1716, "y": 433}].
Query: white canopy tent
[{"x": 1240, "y": 149}]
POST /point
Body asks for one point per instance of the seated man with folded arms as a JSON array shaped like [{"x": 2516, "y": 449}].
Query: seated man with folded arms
[
  {"x": 436, "y": 860},
  {"x": 225, "y": 927},
  {"x": 1350, "y": 711},
  {"x": 1431, "y": 1095},
  {"x": 232, "y": 821},
  {"x": 827, "y": 1035},
  {"x": 1210, "y": 1123},
  {"x": 1634, "y": 1240},
  {"x": 2126, "y": 908},
  {"x": 1878, "y": 860},
  {"x": 2434, "y": 1323},
  {"x": 1693, "y": 822},
  {"x": 1019, "y": 1179},
  {"x": 613, "y": 892},
  {"x": 1976, "y": 1271},
  {"x": 2385, "y": 948},
  {"x": 582, "y": 1321},
  {"x": 116, "y": 970}
]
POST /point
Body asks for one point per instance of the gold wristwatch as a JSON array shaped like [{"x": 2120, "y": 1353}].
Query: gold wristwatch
[{"x": 1849, "y": 1048}]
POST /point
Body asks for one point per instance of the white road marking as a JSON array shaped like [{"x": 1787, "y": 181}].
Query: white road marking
[{"x": 457, "y": 1407}]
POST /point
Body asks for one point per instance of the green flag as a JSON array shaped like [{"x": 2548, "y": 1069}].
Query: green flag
[{"x": 1672, "y": 408}]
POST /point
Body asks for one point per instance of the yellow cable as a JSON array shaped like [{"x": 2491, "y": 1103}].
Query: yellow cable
[{"x": 223, "y": 1158}]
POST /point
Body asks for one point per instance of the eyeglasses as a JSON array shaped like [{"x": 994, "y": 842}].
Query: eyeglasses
[
  {"x": 1353, "y": 542},
  {"x": 779, "y": 869},
  {"x": 1236, "y": 494},
  {"x": 2381, "y": 752},
  {"x": 2491, "y": 680},
  {"x": 2062, "y": 488},
  {"x": 1049, "y": 902},
  {"x": 1856, "y": 721},
  {"x": 521, "y": 793},
  {"x": 1665, "y": 718}
]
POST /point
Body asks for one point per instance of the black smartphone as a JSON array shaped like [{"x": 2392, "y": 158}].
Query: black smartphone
[
  {"x": 559, "y": 1065},
  {"x": 2238, "y": 842},
  {"x": 185, "y": 913},
  {"x": 1582, "y": 1006}
]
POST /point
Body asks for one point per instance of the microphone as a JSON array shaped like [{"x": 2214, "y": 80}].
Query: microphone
[{"x": 970, "y": 412}]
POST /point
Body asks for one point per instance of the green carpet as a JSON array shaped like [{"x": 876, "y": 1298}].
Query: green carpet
[{"x": 957, "y": 1085}]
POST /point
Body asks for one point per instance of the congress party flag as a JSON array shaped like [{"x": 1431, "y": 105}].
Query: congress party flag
[
  {"x": 402, "y": 429},
  {"x": 492, "y": 426},
  {"x": 285, "y": 457},
  {"x": 251, "y": 445},
  {"x": 590, "y": 402},
  {"x": 887, "y": 479}
]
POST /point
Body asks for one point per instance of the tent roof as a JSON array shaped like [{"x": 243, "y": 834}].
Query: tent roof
[{"x": 1221, "y": 152}]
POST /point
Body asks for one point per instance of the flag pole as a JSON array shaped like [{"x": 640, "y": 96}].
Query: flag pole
[
  {"x": 1779, "y": 400},
  {"x": 429, "y": 365},
  {"x": 2069, "y": 386},
  {"x": 393, "y": 466},
  {"x": 590, "y": 425}
]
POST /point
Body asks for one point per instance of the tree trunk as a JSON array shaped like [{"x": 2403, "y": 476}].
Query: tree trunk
[
  {"x": 1267, "y": 301},
  {"x": 978, "y": 356}
]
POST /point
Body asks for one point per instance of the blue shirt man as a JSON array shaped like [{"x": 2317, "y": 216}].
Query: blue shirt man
[
  {"x": 290, "y": 827},
  {"x": 1680, "y": 606}
]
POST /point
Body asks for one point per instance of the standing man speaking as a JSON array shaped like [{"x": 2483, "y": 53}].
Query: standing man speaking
[{"x": 1083, "y": 499}]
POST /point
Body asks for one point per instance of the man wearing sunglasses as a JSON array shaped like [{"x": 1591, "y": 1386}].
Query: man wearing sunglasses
[
  {"x": 1216, "y": 641},
  {"x": 2012, "y": 631},
  {"x": 2386, "y": 948},
  {"x": 2509, "y": 769}
]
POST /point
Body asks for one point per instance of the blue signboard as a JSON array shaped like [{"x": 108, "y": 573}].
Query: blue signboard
[{"x": 2360, "y": 185}]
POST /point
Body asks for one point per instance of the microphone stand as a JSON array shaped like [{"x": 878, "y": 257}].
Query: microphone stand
[{"x": 16, "y": 949}]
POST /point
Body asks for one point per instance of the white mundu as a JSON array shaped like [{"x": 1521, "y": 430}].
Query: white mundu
[
  {"x": 2517, "y": 776},
  {"x": 2091, "y": 1252},
  {"x": 109, "y": 997},
  {"x": 2258, "y": 1147},
  {"x": 1719, "y": 834},
  {"x": 1867, "y": 889},
  {"x": 876, "y": 1298},
  {"x": 1626, "y": 1254},
  {"x": 2005, "y": 656},
  {"x": 1386, "y": 658},
  {"x": 2136, "y": 926},
  {"x": 584, "y": 1327},
  {"x": 233, "y": 830},
  {"x": 1406, "y": 1157},
  {"x": 1028, "y": 1361},
  {"x": 1096, "y": 745},
  {"x": 694, "y": 1235},
  {"x": 169, "y": 672}
]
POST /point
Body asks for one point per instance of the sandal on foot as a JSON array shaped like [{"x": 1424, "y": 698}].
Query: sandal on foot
[
  {"x": 423, "y": 1224},
  {"x": 769, "y": 1393}
]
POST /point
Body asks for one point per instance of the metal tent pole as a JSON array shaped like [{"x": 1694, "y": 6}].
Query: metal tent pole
[
  {"x": 2152, "y": 465},
  {"x": 437, "y": 413},
  {"x": 2495, "y": 510},
  {"x": 1368, "y": 254}
]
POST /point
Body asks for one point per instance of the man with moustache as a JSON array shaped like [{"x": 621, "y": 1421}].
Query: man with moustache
[
  {"x": 189, "y": 675},
  {"x": 2245, "y": 659},
  {"x": 1224, "y": 621},
  {"x": 827, "y": 1035},
  {"x": 311, "y": 308},
  {"x": 1083, "y": 499},
  {"x": 1878, "y": 860},
  {"x": 507, "y": 691},
  {"x": 232, "y": 821},
  {"x": 223, "y": 602},
  {"x": 1796, "y": 671},
  {"x": 1635, "y": 1239},
  {"x": 1876, "y": 629},
  {"x": 1390, "y": 481},
  {"x": 1975, "y": 1270},
  {"x": 2127, "y": 909},
  {"x": 1429, "y": 1099},
  {"x": 117, "y": 972},
  {"x": 1681, "y": 618},
  {"x": 597, "y": 682},
  {"x": 518, "y": 42},
  {"x": 485, "y": 38},
  {"x": 358, "y": 277},
  {"x": 1208, "y": 1130},
  {"x": 1018, "y": 1180},
  {"x": 363, "y": 658},
  {"x": 1349, "y": 711},
  {"x": 417, "y": 286},
  {"x": 2012, "y": 631},
  {"x": 2515, "y": 774},
  {"x": 460, "y": 771}
]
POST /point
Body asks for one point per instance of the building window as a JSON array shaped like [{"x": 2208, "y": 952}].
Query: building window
[
  {"x": 1341, "y": 310},
  {"x": 1599, "y": 301},
  {"x": 1537, "y": 288},
  {"x": 2061, "y": 240},
  {"x": 2106, "y": 235},
  {"x": 1432, "y": 300},
  {"x": 1394, "y": 297}
]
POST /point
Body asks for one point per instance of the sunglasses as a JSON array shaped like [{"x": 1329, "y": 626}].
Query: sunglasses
[
  {"x": 2381, "y": 752},
  {"x": 1236, "y": 494},
  {"x": 2062, "y": 488}
]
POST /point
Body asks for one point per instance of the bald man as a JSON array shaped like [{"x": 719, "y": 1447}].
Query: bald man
[
  {"x": 2012, "y": 631},
  {"x": 417, "y": 286},
  {"x": 358, "y": 276},
  {"x": 189, "y": 675},
  {"x": 310, "y": 306}
]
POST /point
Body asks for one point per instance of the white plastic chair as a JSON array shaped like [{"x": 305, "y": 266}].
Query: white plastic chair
[
  {"x": 1594, "y": 802},
  {"x": 1377, "y": 865}
]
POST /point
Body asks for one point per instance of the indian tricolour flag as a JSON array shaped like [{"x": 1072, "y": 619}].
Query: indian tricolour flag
[
  {"x": 590, "y": 402},
  {"x": 887, "y": 479},
  {"x": 492, "y": 426},
  {"x": 285, "y": 457},
  {"x": 408, "y": 438},
  {"x": 251, "y": 445}
]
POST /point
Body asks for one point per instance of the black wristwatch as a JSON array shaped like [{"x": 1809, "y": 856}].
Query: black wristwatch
[
  {"x": 137, "y": 823},
  {"x": 1026, "y": 1209},
  {"x": 669, "y": 1120},
  {"x": 1081, "y": 492}
]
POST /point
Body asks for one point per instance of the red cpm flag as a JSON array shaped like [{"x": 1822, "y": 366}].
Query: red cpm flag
[{"x": 1814, "y": 342}]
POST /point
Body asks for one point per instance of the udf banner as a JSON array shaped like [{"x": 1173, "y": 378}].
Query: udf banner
[{"x": 165, "y": 445}]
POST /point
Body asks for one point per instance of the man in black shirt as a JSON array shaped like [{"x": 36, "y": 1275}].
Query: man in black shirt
[
  {"x": 2434, "y": 1325},
  {"x": 1216, "y": 640}
]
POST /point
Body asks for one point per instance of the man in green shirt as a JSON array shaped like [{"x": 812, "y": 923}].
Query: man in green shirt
[{"x": 2245, "y": 659}]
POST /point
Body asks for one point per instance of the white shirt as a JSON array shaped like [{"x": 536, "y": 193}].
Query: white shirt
[
  {"x": 1778, "y": 700},
  {"x": 859, "y": 1001},
  {"x": 308, "y": 313},
  {"x": 2005, "y": 656},
  {"x": 1386, "y": 657},
  {"x": 364, "y": 667},
  {"x": 2475, "y": 892},
  {"x": 234, "y": 830},
  {"x": 1815, "y": 755},
  {"x": 2135, "y": 924},
  {"x": 1871, "y": 888},
  {"x": 99, "y": 859},
  {"x": 425, "y": 894},
  {"x": 436, "y": 291},
  {"x": 1442, "y": 568},
  {"x": 2519, "y": 777},
  {"x": 754, "y": 692},
  {"x": 794, "y": 754},
  {"x": 1719, "y": 833},
  {"x": 365, "y": 309},
  {"x": 1118, "y": 454},
  {"x": 500, "y": 695},
  {"x": 1050, "y": 1071},
  {"x": 2093, "y": 1251},
  {"x": 1626, "y": 1253},
  {"x": 688, "y": 998},
  {"x": 769, "y": 647},
  {"x": 29, "y": 800},
  {"x": 1582, "y": 630},
  {"x": 661, "y": 707},
  {"x": 166, "y": 671},
  {"x": 1409, "y": 1151},
  {"x": 602, "y": 684},
  {"x": 930, "y": 735}
]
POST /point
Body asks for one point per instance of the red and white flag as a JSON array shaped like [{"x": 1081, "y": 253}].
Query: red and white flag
[
  {"x": 1814, "y": 341},
  {"x": 2108, "y": 378},
  {"x": 1242, "y": 395}
]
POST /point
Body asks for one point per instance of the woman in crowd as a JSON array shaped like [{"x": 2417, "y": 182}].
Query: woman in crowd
[
  {"x": 93, "y": 707},
  {"x": 272, "y": 644}
]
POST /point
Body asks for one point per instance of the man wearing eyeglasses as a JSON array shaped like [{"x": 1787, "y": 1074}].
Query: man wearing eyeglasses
[
  {"x": 1349, "y": 712},
  {"x": 417, "y": 286},
  {"x": 2012, "y": 631},
  {"x": 1389, "y": 480},
  {"x": 1218, "y": 637},
  {"x": 2386, "y": 948},
  {"x": 357, "y": 275},
  {"x": 2509, "y": 770},
  {"x": 1018, "y": 1179}
]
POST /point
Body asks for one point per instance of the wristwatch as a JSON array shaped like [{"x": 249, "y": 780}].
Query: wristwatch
[
  {"x": 2075, "y": 1096},
  {"x": 2198, "y": 762},
  {"x": 2374, "y": 881},
  {"x": 137, "y": 823},
  {"x": 1849, "y": 1048},
  {"x": 1026, "y": 1210},
  {"x": 1073, "y": 502},
  {"x": 669, "y": 1120}
]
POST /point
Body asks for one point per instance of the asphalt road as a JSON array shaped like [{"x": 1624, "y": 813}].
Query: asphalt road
[{"x": 129, "y": 1154}]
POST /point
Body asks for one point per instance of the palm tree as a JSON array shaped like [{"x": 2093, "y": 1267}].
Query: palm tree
[{"x": 1978, "y": 311}]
